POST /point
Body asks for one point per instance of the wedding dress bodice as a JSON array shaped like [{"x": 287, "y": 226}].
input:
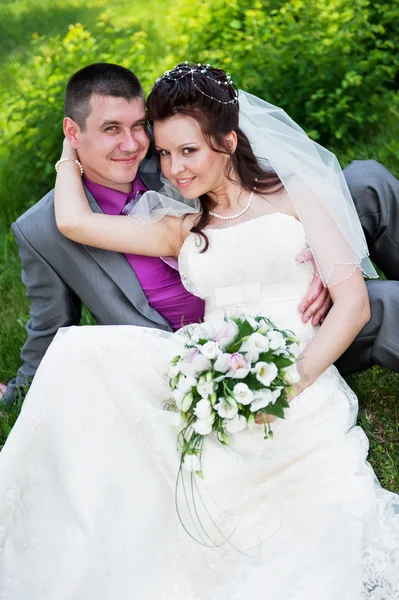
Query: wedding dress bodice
[{"x": 251, "y": 265}]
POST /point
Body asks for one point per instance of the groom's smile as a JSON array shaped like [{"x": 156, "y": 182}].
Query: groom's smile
[{"x": 126, "y": 161}]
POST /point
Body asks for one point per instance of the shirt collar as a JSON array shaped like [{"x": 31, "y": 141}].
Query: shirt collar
[{"x": 112, "y": 201}]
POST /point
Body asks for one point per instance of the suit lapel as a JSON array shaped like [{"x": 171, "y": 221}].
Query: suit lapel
[{"x": 119, "y": 270}]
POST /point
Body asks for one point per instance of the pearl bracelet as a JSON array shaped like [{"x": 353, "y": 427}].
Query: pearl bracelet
[{"x": 64, "y": 160}]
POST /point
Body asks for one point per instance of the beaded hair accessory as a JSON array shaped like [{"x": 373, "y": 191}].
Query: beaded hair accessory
[{"x": 192, "y": 70}]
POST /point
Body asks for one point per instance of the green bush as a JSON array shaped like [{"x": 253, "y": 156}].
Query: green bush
[
  {"x": 31, "y": 122},
  {"x": 330, "y": 63}
]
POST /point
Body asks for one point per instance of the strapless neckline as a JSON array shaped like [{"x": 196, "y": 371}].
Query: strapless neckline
[
  {"x": 268, "y": 215},
  {"x": 236, "y": 225}
]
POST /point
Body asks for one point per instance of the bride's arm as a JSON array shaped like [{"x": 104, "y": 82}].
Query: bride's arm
[
  {"x": 349, "y": 314},
  {"x": 78, "y": 222}
]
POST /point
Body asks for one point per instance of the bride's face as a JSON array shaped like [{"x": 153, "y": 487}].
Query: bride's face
[{"x": 186, "y": 159}]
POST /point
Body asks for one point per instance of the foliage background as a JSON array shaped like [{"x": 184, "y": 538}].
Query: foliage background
[{"x": 332, "y": 64}]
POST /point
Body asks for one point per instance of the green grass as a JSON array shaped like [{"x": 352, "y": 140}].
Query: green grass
[
  {"x": 378, "y": 393},
  {"x": 378, "y": 390},
  {"x": 20, "y": 20}
]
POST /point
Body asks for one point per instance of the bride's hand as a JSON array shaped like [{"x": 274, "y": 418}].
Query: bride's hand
[
  {"x": 292, "y": 392},
  {"x": 68, "y": 151}
]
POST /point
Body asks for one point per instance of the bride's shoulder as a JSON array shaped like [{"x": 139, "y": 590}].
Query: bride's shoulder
[{"x": 282, "y": 203}]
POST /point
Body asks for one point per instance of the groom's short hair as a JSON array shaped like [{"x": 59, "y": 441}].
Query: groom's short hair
[{"x": 104, "y": 79}]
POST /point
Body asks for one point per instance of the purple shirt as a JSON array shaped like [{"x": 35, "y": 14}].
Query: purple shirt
[{"x": 161, "y": 282}]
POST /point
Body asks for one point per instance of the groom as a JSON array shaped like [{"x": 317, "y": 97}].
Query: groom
[{"x": 105, "y": 122}]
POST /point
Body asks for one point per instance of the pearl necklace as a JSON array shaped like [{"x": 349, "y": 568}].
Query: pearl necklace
[{"x": 244, "y": 210}]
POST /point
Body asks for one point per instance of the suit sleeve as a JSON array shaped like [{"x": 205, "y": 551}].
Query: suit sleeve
[{"x": 53, "y": 305}]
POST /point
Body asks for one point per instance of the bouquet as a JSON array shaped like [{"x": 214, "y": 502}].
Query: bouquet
[{"x": 225, "y": 375}]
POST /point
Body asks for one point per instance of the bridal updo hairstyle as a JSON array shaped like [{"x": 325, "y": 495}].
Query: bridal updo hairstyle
[{"x": 209, "y": 96}]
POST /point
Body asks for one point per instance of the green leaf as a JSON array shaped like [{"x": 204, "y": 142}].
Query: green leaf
[
  {"x": 283, "y": 402},
  {"x": 274, "y": 409},
  {"x": 234, "y": 24},
  {"x": 5, "y": 427},
  {"x": 282, "y": 362}
]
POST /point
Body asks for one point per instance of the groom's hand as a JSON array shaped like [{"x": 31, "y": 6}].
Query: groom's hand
[{"x": 317, "y": 301}]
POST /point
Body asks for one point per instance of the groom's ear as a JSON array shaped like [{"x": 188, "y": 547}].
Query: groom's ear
[{"x": 71, "y": 132}]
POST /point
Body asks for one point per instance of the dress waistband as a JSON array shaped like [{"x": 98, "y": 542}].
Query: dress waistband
[{"x": 255, "y": 293}]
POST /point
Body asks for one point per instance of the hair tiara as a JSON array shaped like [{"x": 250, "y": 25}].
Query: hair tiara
[{"x": 192, "y": 70}]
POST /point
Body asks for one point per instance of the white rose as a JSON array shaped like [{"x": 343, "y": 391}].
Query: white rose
[
  {"x": 291, "y": 374},
  {"x": 234, "y": 425},
  {"x": 265, "y": 372},
  {"x": 250, "y": 352},
  {"x": 194, "y": 363},
  {"x": 225, "y": 409},
  {"x": 222, "y": 363},
  {"x": 187, "y": 369},
  {"x": 200, "y": 363},
  {"x": 204, "y": 426},
  {"x": 243, "y": 394},
  {"x": 254, "y": 345},
  {"x": 205, "y": 388},
  {"x": 264, "y": 398},
  {"x": 191, "y": 462},
  {"x": 210, "y": 350},
  {"x": 260, "y": 341},
  {"x": 203, "y": 409},
  {"x": 186, "y": 383},
  {"x": 276, "y": 339}
]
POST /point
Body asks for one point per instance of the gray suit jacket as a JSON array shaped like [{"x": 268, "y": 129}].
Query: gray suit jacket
[{"x": 60, "y": 275}]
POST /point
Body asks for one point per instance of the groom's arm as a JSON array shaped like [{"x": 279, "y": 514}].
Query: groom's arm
[{"x": 53, "y": 305}]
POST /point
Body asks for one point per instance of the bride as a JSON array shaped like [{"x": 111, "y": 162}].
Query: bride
[{"x": 88, "y": 490}]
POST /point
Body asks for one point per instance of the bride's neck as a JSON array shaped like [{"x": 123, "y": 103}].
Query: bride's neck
[{"x": 228, "y": 195}]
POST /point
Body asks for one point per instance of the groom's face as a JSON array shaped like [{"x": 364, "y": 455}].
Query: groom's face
[{"x": 114, "y": 141}]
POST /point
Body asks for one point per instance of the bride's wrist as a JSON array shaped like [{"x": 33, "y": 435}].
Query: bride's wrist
[
  {"x": 66, "y": 160},
  {"x": 68, "y": 152},
  {"x": 299, "y": 386}
]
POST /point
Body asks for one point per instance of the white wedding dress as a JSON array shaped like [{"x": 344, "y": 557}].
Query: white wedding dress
[{"x": 88, "y": 474}]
